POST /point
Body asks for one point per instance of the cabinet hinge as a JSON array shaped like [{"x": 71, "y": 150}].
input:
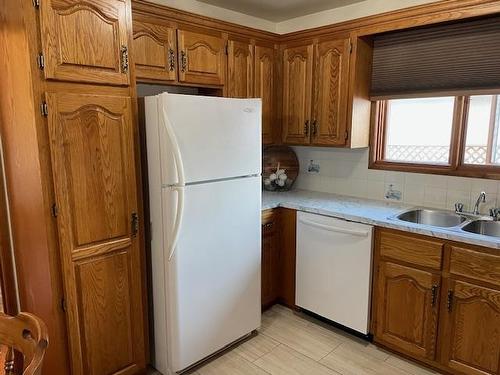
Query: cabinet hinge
[
  {"x": 227, "y": 49},
  {"x": 63, "y": 305},
  {"x": 36, "y": 4},
  {"x": 54, "y": 210},
  {"x": 44, "y": 109},
  {"x": 40, "y": 59}
]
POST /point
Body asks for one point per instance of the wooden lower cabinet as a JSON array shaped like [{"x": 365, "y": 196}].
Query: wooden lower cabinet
[
  {"x": 278, "y": 257},
  {"x": 92, "y": 151},
  {"x": 471, "y": 326},
  {"x": 270, "y": 259},
  {"x": 446, "y": 317},
  {"x": 407, "y": 308}
]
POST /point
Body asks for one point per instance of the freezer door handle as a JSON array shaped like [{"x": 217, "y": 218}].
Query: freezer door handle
[
  {"x": 178, "y": 220},
  {"x": 352, "y": 232}
]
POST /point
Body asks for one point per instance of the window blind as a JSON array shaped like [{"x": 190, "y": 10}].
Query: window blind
[{"x": 453, "y": 59}]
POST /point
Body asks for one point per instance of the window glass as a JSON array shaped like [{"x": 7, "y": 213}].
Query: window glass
[
  {"x": 482, "y": 140},
  {"x": 419, "y": 130}
]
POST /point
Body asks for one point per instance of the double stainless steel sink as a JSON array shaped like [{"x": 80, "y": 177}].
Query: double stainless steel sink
[{"x": 453, "y": 221}]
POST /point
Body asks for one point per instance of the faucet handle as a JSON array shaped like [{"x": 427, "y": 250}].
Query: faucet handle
[
  {"x": 459, "y": 207},
  {"x": 495, "y": 213}
]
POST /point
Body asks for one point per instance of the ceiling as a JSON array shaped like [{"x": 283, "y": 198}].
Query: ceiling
[{"x": 279, "y": 10}]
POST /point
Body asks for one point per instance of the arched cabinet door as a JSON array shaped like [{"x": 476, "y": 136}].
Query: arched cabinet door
[
  {"x": 329, "y": 119},
  {"x": 92, "y": 152},
  {"x": 407, "y": 309},
  {"x": 86, "y": 41},
  {"x": 240, "y": 69},
  {"x": 471, "y": 328},
  {"x": 297, "y": 90},
  {"x": 265, "y": 87},
  {"x": 202, "y": 57},
  {"x": 155, "y": 51}
]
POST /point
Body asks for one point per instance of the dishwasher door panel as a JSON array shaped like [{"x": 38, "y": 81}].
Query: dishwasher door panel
[{"x": 334, "y": 259}]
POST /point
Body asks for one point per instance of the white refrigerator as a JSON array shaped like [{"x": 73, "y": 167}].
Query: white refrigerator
[{"x": 204, "y": 166}]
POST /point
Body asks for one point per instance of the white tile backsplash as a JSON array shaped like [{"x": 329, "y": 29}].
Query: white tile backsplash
[{"x": 346, "y": 172}]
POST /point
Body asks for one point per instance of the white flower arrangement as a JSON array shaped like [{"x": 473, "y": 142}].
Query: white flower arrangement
[{"x": 277, "y": 180}]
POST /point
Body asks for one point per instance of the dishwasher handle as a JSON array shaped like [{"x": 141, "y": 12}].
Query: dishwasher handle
[{"x": 359, "y": 233}]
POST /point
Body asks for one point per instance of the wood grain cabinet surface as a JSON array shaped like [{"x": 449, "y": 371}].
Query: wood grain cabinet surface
[
  {"x": 331, "y": 84},
  {"x": 447, "y": 314},
  {"x": 92, "y": 151},
  {"x": 155, "y": 51},
  {"x": 407, "y": 308},
  {"x": 297, "y": 92},
  {"x": 240, "y": 62},
  {"x": 202, "y": 57},
  {"x": 325, "y": 97},
  {"x": 86, "y": 41},
  {"x": 264, "y": 88},
  {"x": 270, "y": 258}
]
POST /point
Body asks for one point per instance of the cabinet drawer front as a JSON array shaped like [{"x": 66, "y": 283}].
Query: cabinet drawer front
[
  {"x": 412, "y": 250},
  {"x": 476, "y": 265}
]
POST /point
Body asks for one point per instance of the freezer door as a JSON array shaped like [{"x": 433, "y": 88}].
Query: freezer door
[
  {"x": 216, "y": 138},
  {"x": 213, "y": 281}
]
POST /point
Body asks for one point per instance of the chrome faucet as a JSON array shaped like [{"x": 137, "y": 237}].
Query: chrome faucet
[{"x": 480, "y": 199}]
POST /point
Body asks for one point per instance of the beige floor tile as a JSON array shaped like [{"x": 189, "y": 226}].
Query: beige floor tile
[
  {"x": 410, "y": 368},
  {"x": 286, "y": 361},
  {"x": 302, "y": 338},
  {"x": 352, "y": 360},
  {"x": 256, "y": 347},
  {"x": 230, "y": 363}
]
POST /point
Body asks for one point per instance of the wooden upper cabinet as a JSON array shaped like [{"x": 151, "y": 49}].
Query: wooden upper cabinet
[
  {"x": 240, "y": 68},
  {"x": 202, "y": 58},
  {"x": 264, "y": 88},
  {"x": 407, "y": 309},
  {"x": 471, "y": 333},
  {"x": 329, "y": 120},
  {"x": 155, "y": 51},
  {"x": 297, "y": 90},
  {"x": 92, "y": 151},
  {"x": 85, "y": 41}
]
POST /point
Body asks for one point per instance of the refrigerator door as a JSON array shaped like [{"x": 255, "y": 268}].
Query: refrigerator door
[
  {"x": 212, "y": 287},
  {"x": 214, "y": 138}
]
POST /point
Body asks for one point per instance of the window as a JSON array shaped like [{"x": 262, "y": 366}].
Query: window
[{"x": 450, "y": 135}]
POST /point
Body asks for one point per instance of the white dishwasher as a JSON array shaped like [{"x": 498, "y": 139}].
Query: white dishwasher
[{"x": 334, "y": 269}]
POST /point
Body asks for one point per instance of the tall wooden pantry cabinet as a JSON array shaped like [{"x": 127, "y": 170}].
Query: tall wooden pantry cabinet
[{"x": 68, "y": 125}]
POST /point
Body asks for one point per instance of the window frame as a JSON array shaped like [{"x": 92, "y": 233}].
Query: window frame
[{"x": 456, "y": 165}]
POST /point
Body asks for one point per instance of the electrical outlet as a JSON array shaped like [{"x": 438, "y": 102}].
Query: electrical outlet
[{"x": 313, "y": 166}]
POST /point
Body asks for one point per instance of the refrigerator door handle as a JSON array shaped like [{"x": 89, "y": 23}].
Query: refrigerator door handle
[
  {"x": 181, "y": 179},
  {"x": 181, "y": 182},
  {"x": 178, "y": 220}
]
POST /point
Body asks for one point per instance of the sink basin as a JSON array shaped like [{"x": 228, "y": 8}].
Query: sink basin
[
  {"x": 485, "y": 227},
  {"x": 434, "y": 218}
]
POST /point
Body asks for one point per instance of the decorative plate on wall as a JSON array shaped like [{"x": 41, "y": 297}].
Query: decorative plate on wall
[{"x": 280, "y": 168}]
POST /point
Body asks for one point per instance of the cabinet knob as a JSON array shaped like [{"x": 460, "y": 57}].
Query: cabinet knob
[
  {"x": 314, "y": 127},
  {"x": 124, "y": 59},
  {"x": 306, "y": 127},
  {"x": 434, "y": 290},
  {"x": 449, "y": 302},
  {"x": 171, "y": 59},
  {"x": 183, "y": 61}
]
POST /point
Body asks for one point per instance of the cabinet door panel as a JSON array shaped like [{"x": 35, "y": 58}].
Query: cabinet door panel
[
  {"x": 407, "y": 309},
  {"x": 329, "y": 122},
  {"x": 202, "y": 58},
  {"x": 472, "y": 329},
  {"x": 297, "y": 90},
  {"x": 264, "y": 89},
  {"x": 94, "y": 177},
  {"x": 240, "y": 69},
  {"x": 85, "y": 41},
  {"x": 155, "y": 51}
]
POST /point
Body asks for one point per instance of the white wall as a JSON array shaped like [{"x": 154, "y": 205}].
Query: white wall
[
  {"x": 346, "y": 13},
  {"x": 346, "y": 172},
  {"x": 208, "y": 10},
  {"x": 362, "y": 9}
]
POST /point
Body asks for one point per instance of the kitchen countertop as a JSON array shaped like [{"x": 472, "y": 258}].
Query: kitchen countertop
[{"x": 366, "y": 211}]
